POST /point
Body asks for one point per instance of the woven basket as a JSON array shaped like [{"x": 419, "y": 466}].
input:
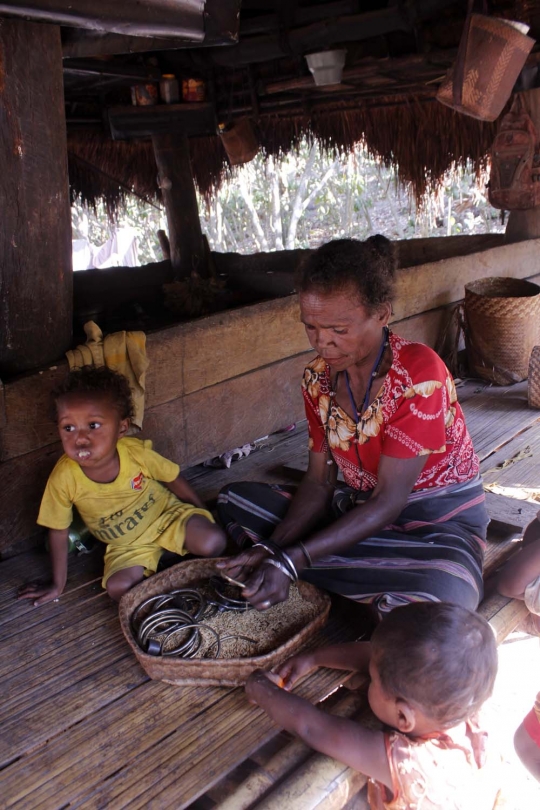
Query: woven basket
[
  {"x": 491, "y": 55},
  {"x": 533, "y": 387},
  {"x": 240, "y": 141},
  {"x": 502, "y": 325},
  {"x": 215, "y": 672}
]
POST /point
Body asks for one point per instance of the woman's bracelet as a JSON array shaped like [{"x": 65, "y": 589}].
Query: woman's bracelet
[
  {"x": 271, "y": 547},
  {"x": 282, "y": 568},
  {"x": 263, "y": 545},
  {"x": 306, "y": 554},
  {"x": 286, "y": 560},
  {"x": 280, "y": 555}
]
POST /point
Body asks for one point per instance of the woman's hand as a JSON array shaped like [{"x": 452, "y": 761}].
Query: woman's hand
[
  {"x": 241, "y": 566},
  {"x": 267, "y": 586},
  {"x": 295, "y": 668},
  {"x": 40, "y": 593}
]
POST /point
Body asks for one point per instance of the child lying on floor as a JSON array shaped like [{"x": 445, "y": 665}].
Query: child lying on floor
[
  {"x": 131, "y": 498},
  {"x": 431, "y": 667},
  {"x": 520, "y": 579}
]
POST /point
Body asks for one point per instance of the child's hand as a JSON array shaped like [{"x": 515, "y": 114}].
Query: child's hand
[
  {"x": 261, "y": 681},
  {"x": 295, "y": 668},
  {"x": 40, "y": 593}
]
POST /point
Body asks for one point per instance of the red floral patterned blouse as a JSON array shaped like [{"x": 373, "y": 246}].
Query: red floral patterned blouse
[{"x": 415, "y": 413}]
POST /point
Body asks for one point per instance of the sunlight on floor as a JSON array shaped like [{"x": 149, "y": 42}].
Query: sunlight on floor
[{"x": 517, "y": 684}]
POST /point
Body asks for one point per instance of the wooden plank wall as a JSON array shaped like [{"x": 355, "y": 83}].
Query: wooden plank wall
[{"x": 225, "y": 379}]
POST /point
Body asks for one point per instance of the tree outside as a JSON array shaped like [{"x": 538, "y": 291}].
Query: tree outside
[{"x": 302, "y": 200}]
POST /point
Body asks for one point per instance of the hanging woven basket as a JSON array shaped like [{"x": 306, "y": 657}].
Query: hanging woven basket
[
  {"x": 490, "y": 57},
  {"x": 239, "y": 141},
  {"x": 502, "y": 325}
]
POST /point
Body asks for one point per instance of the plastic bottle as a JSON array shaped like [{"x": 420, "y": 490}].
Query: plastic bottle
[{"x": 79, "y": 538}]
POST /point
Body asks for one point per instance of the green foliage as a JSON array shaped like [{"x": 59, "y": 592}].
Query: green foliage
[{"x": 308, "y": 197}]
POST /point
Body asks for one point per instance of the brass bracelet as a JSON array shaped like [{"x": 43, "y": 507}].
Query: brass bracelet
[
  {"x": 282, "y": 568},
  {"x": 306, "y": 554}
]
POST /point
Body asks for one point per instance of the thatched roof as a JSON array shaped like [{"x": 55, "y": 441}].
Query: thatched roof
[
  {"x": 386, "y": 99},
  {"x": 421, "y": 140}
]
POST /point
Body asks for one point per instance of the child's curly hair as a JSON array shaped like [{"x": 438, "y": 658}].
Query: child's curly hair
[
  {"x": 440, "y": 656},
  {"x": 100, "y": 381}
]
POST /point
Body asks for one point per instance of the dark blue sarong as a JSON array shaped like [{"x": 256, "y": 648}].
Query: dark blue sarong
[{"x": 432, "y": 552}]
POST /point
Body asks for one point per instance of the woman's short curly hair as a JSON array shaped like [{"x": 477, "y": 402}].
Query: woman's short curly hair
[
  {"x": 98, "y": 381},
  {"x": 440, "y": 656},
  {"x": 368, "y": 267}
]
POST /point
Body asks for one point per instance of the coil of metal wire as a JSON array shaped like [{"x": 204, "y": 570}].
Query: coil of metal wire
[{"x": 170, "y": 624}]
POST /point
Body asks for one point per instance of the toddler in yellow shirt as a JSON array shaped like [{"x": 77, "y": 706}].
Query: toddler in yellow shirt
[{"x": 129, "y": 496}]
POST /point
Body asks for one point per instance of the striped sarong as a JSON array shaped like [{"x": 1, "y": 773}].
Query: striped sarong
[{"x": 432, "y": 552}]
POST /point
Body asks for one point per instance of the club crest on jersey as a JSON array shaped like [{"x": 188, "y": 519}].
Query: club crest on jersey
[{"x": 137, "y": 482}]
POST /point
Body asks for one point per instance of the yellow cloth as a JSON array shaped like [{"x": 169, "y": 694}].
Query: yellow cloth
[
  {"x": 124, "y": 352},
  {"x": 135, "y": 515}
]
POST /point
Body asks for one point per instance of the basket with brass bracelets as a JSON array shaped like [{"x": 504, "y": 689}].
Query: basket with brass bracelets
[{"x": 269, "y": 637}]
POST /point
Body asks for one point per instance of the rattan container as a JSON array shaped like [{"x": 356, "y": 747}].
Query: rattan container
[
  {"x": 207, "y": 671},
  {"x": 239, "y": 141},
  {"x": 502, "y": 325},
  {"x": 491, "y": 55},
  {"x": 533, "y": 387}
]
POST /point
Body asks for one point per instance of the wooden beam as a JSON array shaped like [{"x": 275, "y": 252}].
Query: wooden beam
[
  {"x": 510, "y": 511},
  {"x": 35, "y": 237},
  {"x": 325, "y": 33},
  {"x": 322, "y": 783},
  {"x": 158, "y": 18},
  {"x": 321, "y": 34},
  {"x": 442, "y": 282},
  {"x": 221, "y": 23},
  {"x": 435, "y": 63},
  {"x": 198, "y": 426},
  {"x": 184, "y": 359},
  {"x": 178, "y": 191},
  {"x": 263, "y": 23},
  {"x": 143, "y": 122},
  {"x": 227, "y": 344},
  {"x": 110, "y": 69}
]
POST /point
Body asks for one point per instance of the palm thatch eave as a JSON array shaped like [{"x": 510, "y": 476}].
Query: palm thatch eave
[{"x": 421, "y": 139}]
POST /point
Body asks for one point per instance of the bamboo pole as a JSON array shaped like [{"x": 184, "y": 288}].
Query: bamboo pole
[{"x": 292, "y": 756}]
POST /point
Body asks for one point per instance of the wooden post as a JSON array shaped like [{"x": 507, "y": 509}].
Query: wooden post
[
  {"x": 36, "y": 278},
  {"x": 178, "y": 190},
  {"x": 526, "y": 224}
]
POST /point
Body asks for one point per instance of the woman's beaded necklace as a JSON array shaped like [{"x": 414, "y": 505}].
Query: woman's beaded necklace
[{"x": 373, "y": 374}]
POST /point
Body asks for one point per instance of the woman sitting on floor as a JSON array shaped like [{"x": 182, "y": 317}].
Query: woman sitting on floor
[{"x": 410, "y": 522}]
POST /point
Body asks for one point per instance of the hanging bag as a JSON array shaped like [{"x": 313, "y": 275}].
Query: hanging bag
[{"x": 515, "y": 162}]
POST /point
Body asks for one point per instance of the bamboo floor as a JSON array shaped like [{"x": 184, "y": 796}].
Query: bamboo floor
[{"x": 84, "y": 727}]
